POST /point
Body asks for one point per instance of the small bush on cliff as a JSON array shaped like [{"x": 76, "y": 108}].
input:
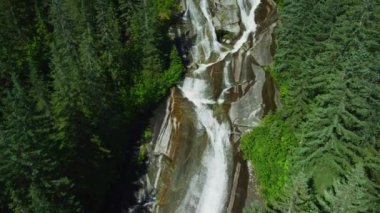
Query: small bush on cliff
[{"x": 268, "y": 146}]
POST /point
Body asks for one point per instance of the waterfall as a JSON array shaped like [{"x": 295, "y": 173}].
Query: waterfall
[
  {"x": 195, "y": 164},
  {"x": 212, "y": 195}
]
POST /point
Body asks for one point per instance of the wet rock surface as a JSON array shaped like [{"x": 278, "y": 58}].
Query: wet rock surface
[
  {"x": 234, "y": 91},
  {"x": 226, "y": 16}
]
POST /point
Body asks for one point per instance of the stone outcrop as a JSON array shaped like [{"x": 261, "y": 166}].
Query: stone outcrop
[
  {"x": 226, "y": 16},
  {"x": 242, "y": 93}
]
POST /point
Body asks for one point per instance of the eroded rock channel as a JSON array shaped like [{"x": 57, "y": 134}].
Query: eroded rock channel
[{"x": 195, "y": 164}]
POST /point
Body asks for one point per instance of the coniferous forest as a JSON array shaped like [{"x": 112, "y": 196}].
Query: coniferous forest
[
  {"x": 77, "y": 82},
  {"x": 320, "y": 151}
]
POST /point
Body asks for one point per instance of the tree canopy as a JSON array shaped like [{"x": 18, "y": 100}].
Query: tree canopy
[
  {"x": 77, "y": 82},
  {"x": 327, "y": 69}
]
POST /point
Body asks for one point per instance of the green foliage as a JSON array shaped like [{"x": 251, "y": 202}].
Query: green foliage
[
  {"x": 269, "y": 146},
  {"x": 327, "y": 69},
  {"x": 144, "y": 147},
  {"x": 148, "y": 134},
  {"x": 254, "y": 207},
  {"x": 85, "y": 74},
  {"x": 28, "y": 160},
  {"x": 350, "y": 195},
  {"x": 297, "y": 197},
  {"x": 166, "y": 8},
  {"x": 158, "y": 62},
  {"x": 143, "y": 152},
  {"x": 152, "y": 85}
]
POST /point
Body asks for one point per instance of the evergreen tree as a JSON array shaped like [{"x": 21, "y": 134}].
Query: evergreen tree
[
  {"x": 64, "y": 142},
  {"x": 27, "y": 159},
  {"x": 16, "y": 23},
  {"x": 338, "y": 126},
  {"x": 297, "y": 197},
  {"x": 350, "y": 195},
  {"x": 327, "y": 68},
  {"x": 109, "y": 42},
  {"x": 17, "y": 141}
]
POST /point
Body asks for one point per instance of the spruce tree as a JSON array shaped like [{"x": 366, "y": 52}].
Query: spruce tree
[
  {"x": 296, "y": 198},
  {"x": 29, "y": 161},
  {"x": 350, "y": 195}
]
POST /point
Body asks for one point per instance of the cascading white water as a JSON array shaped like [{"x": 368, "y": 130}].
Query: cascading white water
[
  {"x": 211, "y": 196},
  {"x": 195, "y": 164}
]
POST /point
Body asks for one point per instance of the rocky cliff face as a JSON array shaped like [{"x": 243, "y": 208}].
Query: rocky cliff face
[
  {"x": 195, "y": 162},
  {"x": 226, "y": 16}
]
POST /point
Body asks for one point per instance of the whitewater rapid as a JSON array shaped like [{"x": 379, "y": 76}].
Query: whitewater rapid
[{"x": 211, "y": 196}]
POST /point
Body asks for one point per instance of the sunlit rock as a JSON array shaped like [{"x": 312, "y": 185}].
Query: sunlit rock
[{"x": 196, "y": 164}]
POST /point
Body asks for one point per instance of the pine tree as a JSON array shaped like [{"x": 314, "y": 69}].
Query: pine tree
[
  {"x": 350, "y": 195},
  {"x": 109, "y": 41},
  {"x": 297, "y": 197},
  {"x": 65, "y": 60},
  {"x": 79, "y": 72},
  {"x": 338, "y": 126},
  {"x": 17, "y": 141},
  {"x": 329, "y": 50},
  {"x": 27, "y": 158},
  {"x": 17, "y": 29},
  {"x": 77, "y": 97}
]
